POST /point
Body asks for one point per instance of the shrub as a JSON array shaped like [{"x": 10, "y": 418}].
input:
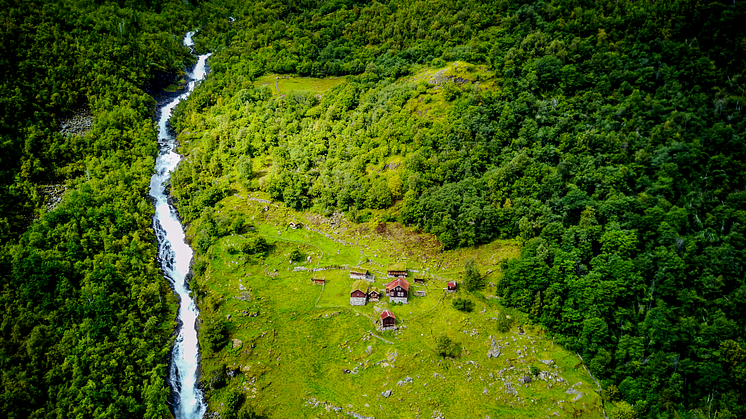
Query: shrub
[
  {"x": 463, "y": 304},
  {"x": 447, "y": 348},
  {"x": 297, "y": 256},
  {"x": 473, "y": 280},
  {"x": 503, "y": 322}
]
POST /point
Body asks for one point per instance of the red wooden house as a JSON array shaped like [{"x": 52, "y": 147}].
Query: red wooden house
[{"x": 388, "y": 320}]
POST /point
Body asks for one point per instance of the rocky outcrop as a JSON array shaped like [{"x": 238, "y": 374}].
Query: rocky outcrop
[
  {"x": 53, "y": 194},
  {"x": 79, "y": 123}
]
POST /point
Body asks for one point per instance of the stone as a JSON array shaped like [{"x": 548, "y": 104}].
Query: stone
[
  {"x": 386, "y": 393},
  {"x": 509, "y": 389},
  {"x": 404, "y": 381},
  {"x": 237, "y": 343}
]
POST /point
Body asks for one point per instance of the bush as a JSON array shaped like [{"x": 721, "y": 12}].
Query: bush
[
  {"x": 463, "y": 304},
  {"x": 297, "y": 256},
  {"x": 254, "y": 245},
  {"x": 447, "y": 348},
  {"x": 473, "y": 280},
  {"x": 214, "y": 334},
  {"x": 503, "y": 322}
]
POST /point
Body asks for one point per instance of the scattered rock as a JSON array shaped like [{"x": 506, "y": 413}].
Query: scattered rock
[
  {"x": 509, "y": 389},
  {"x": 577, "y": 394},
  {"x": 494, "y": 352},
  {"x": 77, "y": 124},
  {"x": 237, "y": 343},
  {"x": 386, "y": 393},
  {"x": 404, "y": 381}
]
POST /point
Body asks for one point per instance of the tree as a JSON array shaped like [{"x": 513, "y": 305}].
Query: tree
[
  {"x": 463, "y": 304},
  {"x": 473, "y": 280},
  {"x": 214, "y": 334},
  {"x": 447, "y": 348}
]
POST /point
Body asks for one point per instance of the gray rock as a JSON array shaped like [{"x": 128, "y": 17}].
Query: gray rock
[
  {"x": 386, "y": 394},
  {"x": 509, "y": 389}
]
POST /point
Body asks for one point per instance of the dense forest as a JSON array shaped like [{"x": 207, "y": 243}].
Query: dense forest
[
  {"x": 86, "y": 315},
  {"x": 607, "y": 136}
]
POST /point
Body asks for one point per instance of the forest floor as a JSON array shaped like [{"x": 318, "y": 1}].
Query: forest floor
[{"x": 291, "y": 341}]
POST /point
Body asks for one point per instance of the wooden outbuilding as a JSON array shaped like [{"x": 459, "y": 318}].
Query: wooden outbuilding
[
  {"x": 318, "y": 281},
  {"x": 419, "y": 280},
  {"x": 359, "y": 274},
  {"x": 398, "y": 270},
  {"x": 388, "y": 320},
  {"x": 374, "y": 294},
  {"x": 398, "y": 290},
  {"x": 359, "y": 293},
  {"x": 452, "y": 286}
]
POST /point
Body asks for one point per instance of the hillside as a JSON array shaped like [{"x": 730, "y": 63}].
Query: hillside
[
  {"x": 588, "y": 156},
  {"x": 606, "y": 138}
]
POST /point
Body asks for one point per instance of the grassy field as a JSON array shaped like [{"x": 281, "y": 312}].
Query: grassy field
[
  {"x": 291, "y": 340},
  {"x": 287, "y": 84}
]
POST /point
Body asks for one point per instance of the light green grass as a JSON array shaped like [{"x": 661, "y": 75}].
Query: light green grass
[
  {"x": 289, "y": 84},
  {"x": 298, "y": 337}
]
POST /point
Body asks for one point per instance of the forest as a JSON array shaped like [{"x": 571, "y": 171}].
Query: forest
[
  {"x": 608, "y": 137},
  {"x": 86, "y": 318}
]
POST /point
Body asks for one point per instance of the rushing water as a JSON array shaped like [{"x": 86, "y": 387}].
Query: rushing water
[{"x": 175, "y": 257}]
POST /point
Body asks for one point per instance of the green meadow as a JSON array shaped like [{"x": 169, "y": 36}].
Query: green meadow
[{"x": 297, "y": 349}]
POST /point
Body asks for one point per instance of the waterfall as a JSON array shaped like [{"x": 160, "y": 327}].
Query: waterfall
[{"x": 175, "y": 257}]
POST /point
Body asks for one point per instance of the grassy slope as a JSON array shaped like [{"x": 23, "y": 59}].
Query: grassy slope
[
  {"x": 287, "y": 84},
  {"x": 297, "y": 337},
  {"x": 292, "y": 339}
]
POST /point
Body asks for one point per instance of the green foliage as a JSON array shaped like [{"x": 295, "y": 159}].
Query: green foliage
[
  {"x": 254, "y": 245},
  {"x": 534, "y": 370},
  {"x": 503, "y": 322},
  {"x": 473, "y": 280},
  {"x": 607, "y": 136},
  {"x": 463, "y": 304},
  {"x": 447, "y": 348},
  {"x": 297, "y": 256},
  {"x": 214, "y": 334}
]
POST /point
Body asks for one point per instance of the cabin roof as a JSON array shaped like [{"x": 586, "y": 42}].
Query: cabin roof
[
  {"x": 386, "y": 314},
  {"x": 360, "y": 285},
  {"x": 397, "y": 267},
  {"x": 398, "y": 282}
]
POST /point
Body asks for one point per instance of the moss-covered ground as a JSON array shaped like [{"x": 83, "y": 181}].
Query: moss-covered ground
[{"x": 300, "y": 350}]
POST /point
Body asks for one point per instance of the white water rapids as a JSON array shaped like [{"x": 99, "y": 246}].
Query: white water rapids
[{"x": 175, "y": 257}]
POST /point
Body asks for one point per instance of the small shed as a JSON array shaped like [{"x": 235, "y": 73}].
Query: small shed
[
  {"x": 419, "y": 280},
  {"x": 318, "y": 281},
  {"x": 452, "y": 286},
  {"x": 388, "y": 320},
  {"x": 374, "y": 294},
  {"x": 295, "y": 225},
  {"x": 359, "y": 293},
  {"x": 358, "y": 274},
  {"x": 397, "y": 270}
]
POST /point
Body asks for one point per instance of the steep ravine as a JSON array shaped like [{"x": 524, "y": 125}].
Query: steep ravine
[{"x": 175, "y": 256}]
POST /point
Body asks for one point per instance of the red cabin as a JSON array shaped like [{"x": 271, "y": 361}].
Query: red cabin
[{"x": 388, "y": 320}]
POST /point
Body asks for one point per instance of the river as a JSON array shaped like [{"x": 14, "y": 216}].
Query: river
[{"x": 175, "y": 257}]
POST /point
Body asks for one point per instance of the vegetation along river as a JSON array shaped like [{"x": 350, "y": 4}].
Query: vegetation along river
[{"x": 175, "y": 257}]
